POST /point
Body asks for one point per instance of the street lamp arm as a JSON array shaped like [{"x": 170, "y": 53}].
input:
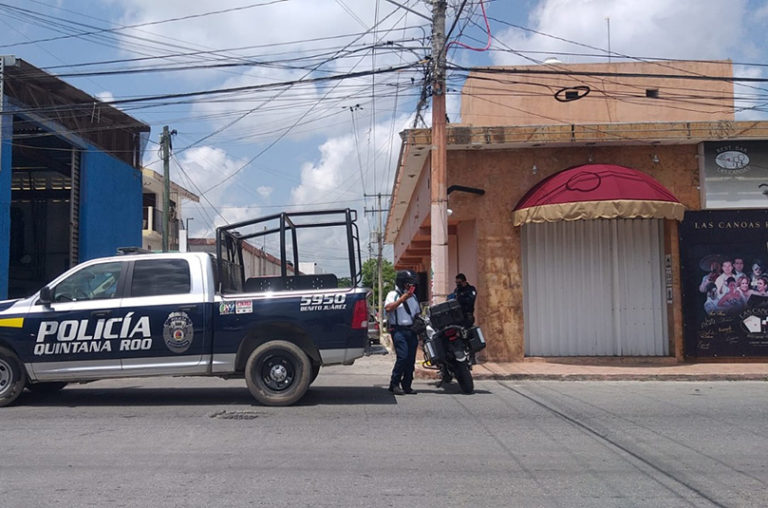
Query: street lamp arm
[{"x": 462, "y": 188}]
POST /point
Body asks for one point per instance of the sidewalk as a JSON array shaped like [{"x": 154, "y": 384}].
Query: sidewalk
[
  {"x": 656, "y": 369},
  {"x": 602, "y": 368}
]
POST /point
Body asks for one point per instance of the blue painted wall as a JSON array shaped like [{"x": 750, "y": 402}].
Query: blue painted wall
[
  {"x": 6, "y": 134},
  {"x": 110, "y": 205}
]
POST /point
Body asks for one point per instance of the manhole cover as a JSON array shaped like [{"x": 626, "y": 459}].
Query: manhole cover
[{"x": 236, "y": 415}]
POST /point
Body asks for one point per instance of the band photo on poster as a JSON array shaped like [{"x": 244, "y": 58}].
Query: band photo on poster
[{"x": 725, "y": 282}]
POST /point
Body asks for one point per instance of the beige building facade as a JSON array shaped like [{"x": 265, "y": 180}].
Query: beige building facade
[
  {"x": 608, "y": 286},
  {"x": 153, "y": 185}
]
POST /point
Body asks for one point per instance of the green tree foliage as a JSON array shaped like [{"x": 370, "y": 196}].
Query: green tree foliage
[{"x": 371, "y": 280}]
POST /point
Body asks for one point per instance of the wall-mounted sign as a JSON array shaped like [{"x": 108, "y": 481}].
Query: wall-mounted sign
[
  {"x": 735, "y": 174},
  {"x": 725, "y": 282},
  {"x": 732, "y": 160}
]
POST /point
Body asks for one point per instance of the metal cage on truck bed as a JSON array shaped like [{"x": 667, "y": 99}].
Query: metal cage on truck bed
[{"x": 229, "y": 251}]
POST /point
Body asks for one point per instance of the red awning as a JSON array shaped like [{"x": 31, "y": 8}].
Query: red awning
[{"x": 597, "y": 191}]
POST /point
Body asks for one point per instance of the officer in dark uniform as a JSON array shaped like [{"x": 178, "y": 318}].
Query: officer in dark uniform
[
  {"x": 465, "y": 294},
  {"x": 402, "y": 306}
]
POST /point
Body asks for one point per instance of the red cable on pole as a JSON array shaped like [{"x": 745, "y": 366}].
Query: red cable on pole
[{"x": 487, "y": 29}]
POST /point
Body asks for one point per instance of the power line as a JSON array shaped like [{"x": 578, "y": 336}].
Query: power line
[
  {"x": 199, "y": 53},
  {"x": 221, "y": 91},
  {"x": 284, "y": 133},
  {"x": 125, "y": 27},
  {"x": 661, "y": 63},
  {"x": 567, "y": 72},
  {"x": 197, "y": 190}
]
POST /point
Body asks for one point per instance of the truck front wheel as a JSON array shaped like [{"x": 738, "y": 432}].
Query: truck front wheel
[
  {"x": 278, "y": 373},
  {"x": 315, "y": 372},
  {"x": 12, "y": 377}
]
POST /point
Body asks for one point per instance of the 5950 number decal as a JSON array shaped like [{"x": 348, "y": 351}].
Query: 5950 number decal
[{"x": 323, "y": 302}]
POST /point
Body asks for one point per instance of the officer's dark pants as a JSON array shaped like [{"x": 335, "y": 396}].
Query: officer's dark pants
[{"x": 405, "y": 342}]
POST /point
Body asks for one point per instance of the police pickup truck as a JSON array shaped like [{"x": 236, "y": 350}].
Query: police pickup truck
[{"x": 191, "y": 314}]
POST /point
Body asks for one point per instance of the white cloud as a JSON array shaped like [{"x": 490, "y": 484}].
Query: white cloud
[
  {"x": 105, "y": 96},
  {"x": 234, "y": 199},
  {"x": 749, "y": 95},
  {"x": 334, "y": 181},
  {"x": 761, "y": 13},
  {"x": 278, "y": 22},
  {"x": 254, "y": 118},
  {"x": 332, "y": 176},
  {"x": 346, "y": 168},
  {"x": 690, "y": 29},
  {"x": 264, "y": 191},
  {"x": 206, "y": 219},
  {"x": 300, "y": 111},
  {"x": 204, "y": 167},
  {"x": 261, "y": 32}
]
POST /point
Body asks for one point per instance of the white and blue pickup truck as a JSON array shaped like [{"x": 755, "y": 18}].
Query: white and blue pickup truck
[{"x": 189, "y": 314}]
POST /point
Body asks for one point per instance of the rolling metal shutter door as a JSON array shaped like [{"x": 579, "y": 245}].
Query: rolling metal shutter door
[
  {"x": 594, "y": 288},
  {"x": 74, "y": 211}
]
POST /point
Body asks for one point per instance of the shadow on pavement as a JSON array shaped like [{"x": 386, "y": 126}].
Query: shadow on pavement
[
  {"x": 346, "y": 395},
  {"x": 133, "y": 396},
  {"x": 449, "y": 390}
]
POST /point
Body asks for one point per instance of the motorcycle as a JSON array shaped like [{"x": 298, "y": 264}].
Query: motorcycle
[{"x": 450, "y": 346}]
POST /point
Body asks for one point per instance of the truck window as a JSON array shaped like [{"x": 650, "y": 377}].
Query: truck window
[
  {"x": 95, "y": 282},
  {"x": 153, "y": 277}
]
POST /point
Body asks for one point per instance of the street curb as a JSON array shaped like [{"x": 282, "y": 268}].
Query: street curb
[
  {"x": 422, "y": 373},
  {"x": 622, "y": 377}
]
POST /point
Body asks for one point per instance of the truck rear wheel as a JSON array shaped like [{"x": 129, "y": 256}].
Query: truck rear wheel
[
  {"x": 12, "y": 377},
  {"x": 278, "y": 373}
]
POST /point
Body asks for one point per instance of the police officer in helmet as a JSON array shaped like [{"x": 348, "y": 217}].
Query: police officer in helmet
[
  {"x": 465, "y": 294},
  {"x": 401, "y": 306}
]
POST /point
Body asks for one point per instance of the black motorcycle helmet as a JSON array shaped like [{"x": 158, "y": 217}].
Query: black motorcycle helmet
[{"x": 403, "y": 278}]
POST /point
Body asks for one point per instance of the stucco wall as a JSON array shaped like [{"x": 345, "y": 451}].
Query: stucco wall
[
  {"x": 110, "y": 205},
  {"x": 529, "y": 99},
  {"x": 506, "y": 175}
]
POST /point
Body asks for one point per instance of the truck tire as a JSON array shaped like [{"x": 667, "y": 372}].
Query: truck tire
[
  {"x": 278, "y": 373},
  {"x": 315, "y": 372},
  {"x": 464, "y": 377},
  {"x": 13, "y": 378},
  {"x": 46, "y": 388}
]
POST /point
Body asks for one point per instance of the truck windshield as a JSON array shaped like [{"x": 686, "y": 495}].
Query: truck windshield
[{"x": 93, "y": 282}]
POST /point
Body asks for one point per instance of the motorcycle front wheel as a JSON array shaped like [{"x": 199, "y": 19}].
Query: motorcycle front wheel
[{"x": 464, "y": 377}]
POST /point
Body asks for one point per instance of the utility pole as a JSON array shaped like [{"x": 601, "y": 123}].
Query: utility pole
[
  {"x": 380, "y": 303},
  {"x": 438, "y": 175},
  {"x": 380, "y": 241},
  {"x": 165, "y": 142}
]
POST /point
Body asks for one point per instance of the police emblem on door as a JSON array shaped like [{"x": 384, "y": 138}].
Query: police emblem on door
[{"x": 178, "y": 332}]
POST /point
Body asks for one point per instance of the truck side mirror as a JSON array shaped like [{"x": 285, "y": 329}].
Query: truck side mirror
[{"x": 46, "y": 295}]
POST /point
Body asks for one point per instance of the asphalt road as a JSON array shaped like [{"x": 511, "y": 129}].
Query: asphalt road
[{"x": 204, "y": 442}]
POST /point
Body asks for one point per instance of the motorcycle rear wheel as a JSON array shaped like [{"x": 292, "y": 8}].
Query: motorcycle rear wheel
[{"x": 464, "y": 377}]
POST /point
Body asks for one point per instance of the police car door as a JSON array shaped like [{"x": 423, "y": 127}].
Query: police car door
[
  {"x": 167, "y": 305},
  {"x": 76, "y": 335}
]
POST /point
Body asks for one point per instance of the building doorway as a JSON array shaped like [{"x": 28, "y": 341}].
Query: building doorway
[{"x": 44, "y": 208}]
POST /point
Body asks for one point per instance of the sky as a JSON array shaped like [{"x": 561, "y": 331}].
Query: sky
[{"x": 324, "y": 87}]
